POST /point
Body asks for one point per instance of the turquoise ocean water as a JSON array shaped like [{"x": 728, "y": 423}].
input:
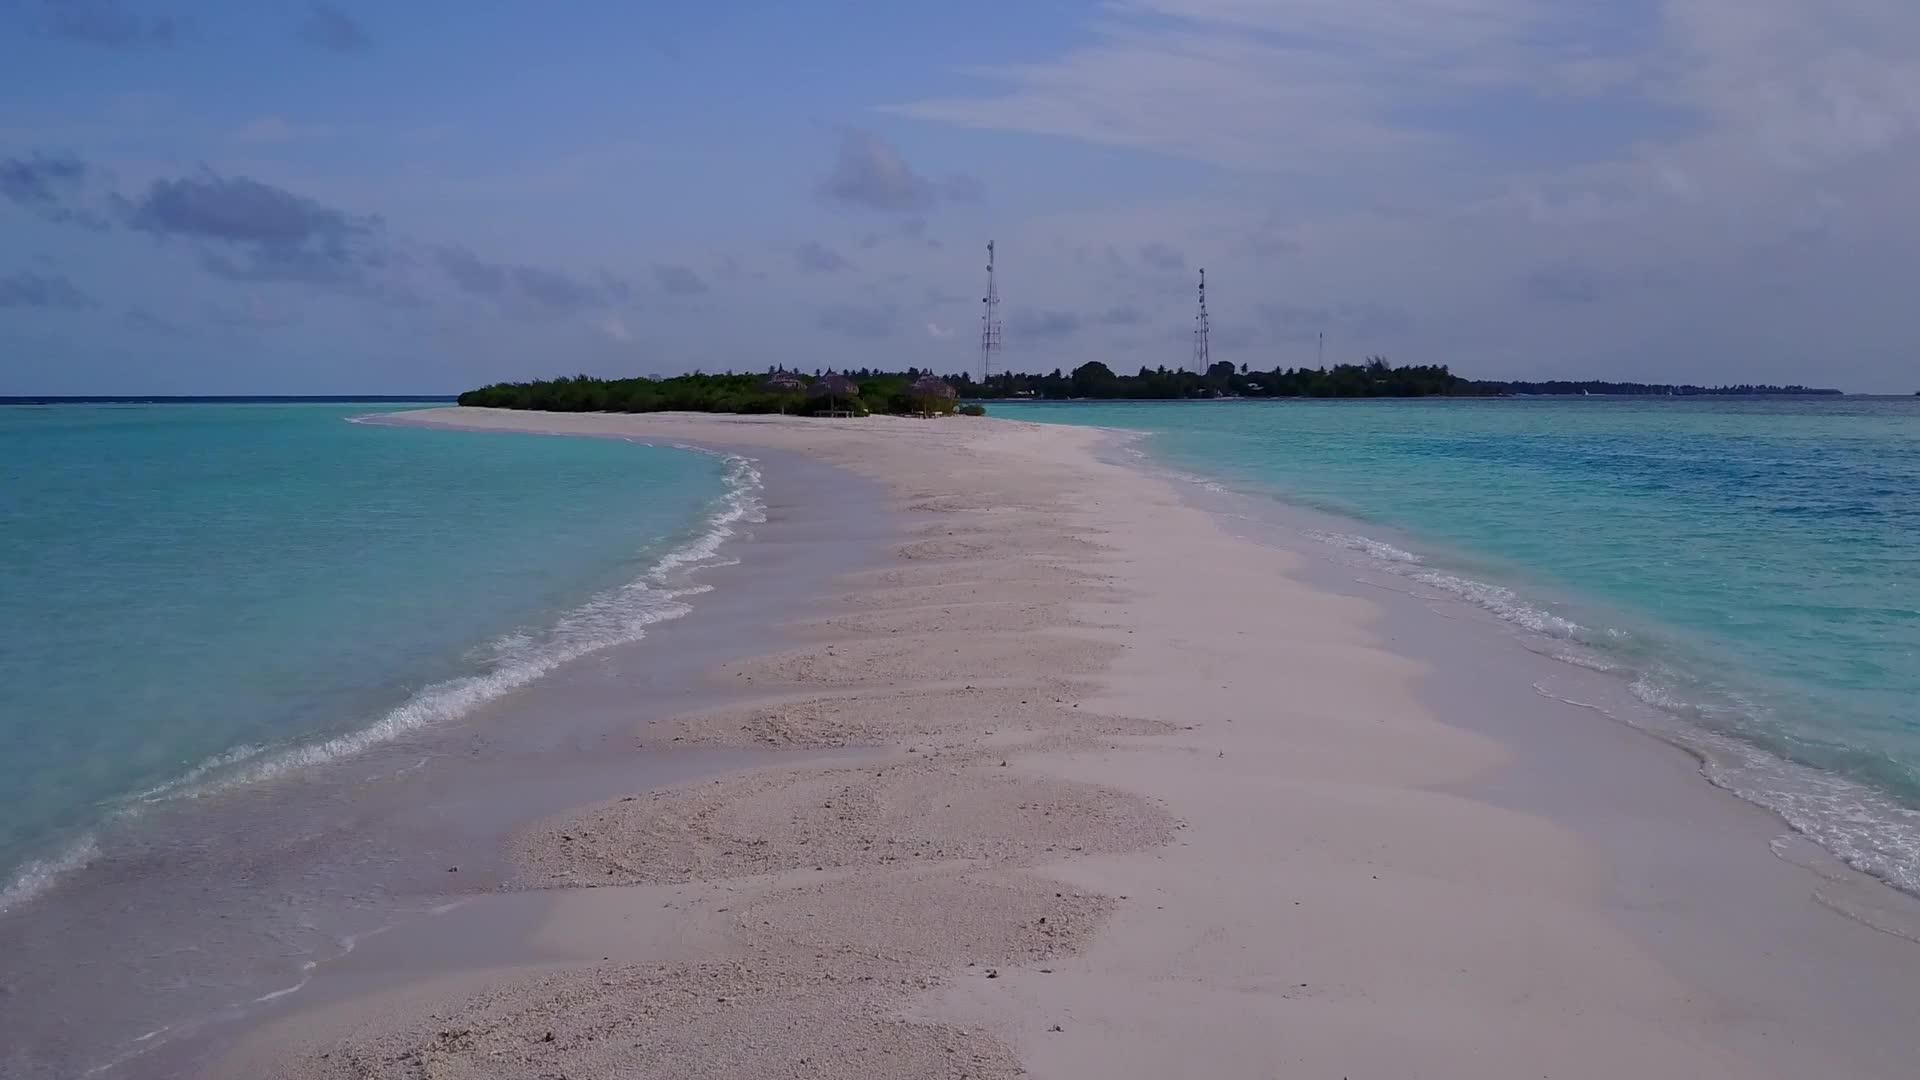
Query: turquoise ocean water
[
  {"x": 194, "y": 596},
  {"x": 1749, "y": 568}
]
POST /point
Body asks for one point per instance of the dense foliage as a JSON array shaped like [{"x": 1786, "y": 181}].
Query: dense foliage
[
  {"x": 892, "y": 391},
  {"x": 1375, "y": 378},
  {"x": 727, "y": 393},
  {"x": 1096, "y": 380},
  {"x": 1634, "y": 388}
]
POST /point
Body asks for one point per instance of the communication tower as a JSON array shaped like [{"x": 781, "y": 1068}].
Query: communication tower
[{"x": 989, "y": 322}]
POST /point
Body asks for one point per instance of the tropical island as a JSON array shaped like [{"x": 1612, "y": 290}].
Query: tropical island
[
  {"x": 1376, "y": 378},
  {"x": 918, "y": 392},
  {"x": 908, "y": 393}
]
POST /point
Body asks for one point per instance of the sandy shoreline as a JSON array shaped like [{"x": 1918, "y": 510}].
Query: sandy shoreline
[
  {"x": 209, "y": 915},
  {"x": 1146, "y": 801}
]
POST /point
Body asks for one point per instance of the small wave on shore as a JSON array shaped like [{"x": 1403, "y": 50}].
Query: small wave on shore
[
  {"x": 616, "y": 617},
  {"x": 37, "y": 875},
  {"x": 1732, "y": 733},
  {"x": 1743, "y": 747},
  {"x": 1855, "y": 822},
  {"x": 1734, "y": 573},
  {"x": 1497, "y": 599},
  {"x": 512, "y": 660}
]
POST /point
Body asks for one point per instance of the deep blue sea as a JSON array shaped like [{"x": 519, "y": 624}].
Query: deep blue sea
[
  {"x": 198, "y": 595},
  {"x": 1749, "y": 567}
]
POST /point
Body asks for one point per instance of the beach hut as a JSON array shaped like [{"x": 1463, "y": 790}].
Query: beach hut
[
  {"x": 785, "y": 386},
  {"x": 839, "y": 391},
  {"x": 931, "y": 395}
]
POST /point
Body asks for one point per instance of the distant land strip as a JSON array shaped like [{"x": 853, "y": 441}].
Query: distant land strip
[{"x": 863, "y": 391}]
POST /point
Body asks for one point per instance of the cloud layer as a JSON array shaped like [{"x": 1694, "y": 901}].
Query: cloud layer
[
  {"x": 1687, "y": 189},
  {"x": 106, "y": 23},
  {"x": 248, "y": 231},
  {"x": 329, "y": 28},
  {"x": 869, "y": 173},
  {"x": 257, "y": 232},
  {"x": 814, "y": 257},
  {"x": 679, "y": 280},
  {"x": 862, "y": 321},
  {"x": 50, "y": 187},
  {"x": 523, "y": 287},
  {"x": 31, "y": 290}
]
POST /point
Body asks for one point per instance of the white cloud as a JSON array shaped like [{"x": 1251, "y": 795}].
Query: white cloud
[
  {"x": 1349, "y": 88},
  {"x": 938, "y": 332},
  {"x": 616, "y": 328},
  {"x": 1715, "y": 180},
  {"x": 1283, "y": 85},
  {"x": 1796, "y": 83},
  {"x": 871, "y": 174}
]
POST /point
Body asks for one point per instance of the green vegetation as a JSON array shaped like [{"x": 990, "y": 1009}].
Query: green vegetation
[
  {"x": 870, "y": 392},
  {"x": 1095, "y": 380},
  {"x": 918, "y": 393},
  {"x": 1375, "y": 378},
  {"x": 971, "y": 409},
  {"x": 1634, "y": 389}
]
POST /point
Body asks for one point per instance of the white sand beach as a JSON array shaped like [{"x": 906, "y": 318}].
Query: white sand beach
[{"x": 1141, "y": 802}]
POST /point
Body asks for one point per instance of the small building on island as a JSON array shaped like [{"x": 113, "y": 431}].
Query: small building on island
[
  {"x": 932, "y": 396},
  {"x": 839, "y": 393},
  {"x": 784, "y": 387}
]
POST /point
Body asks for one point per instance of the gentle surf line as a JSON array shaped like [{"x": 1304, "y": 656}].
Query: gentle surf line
[
  {"x": 1855, "y": 822},
  {"x": 616, "y": 617},
  {"x": 1863, "y": 827}
]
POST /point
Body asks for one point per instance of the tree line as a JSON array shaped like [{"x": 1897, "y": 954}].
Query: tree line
[
  {"x": 1594, "y": 386},
  {"x": 728, "y": 392},
  {"x": 1376, "y": 378},
  {"x": 883, "y": 391}
]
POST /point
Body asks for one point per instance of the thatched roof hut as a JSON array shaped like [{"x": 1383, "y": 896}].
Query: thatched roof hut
[
  {"x": 831, "y": 385},
  {"x": 783, "y": 382},
  {"x": 933, "y": 386},
  {"x": 931, "y": 395},
  {"x": 838, "y": 391}
]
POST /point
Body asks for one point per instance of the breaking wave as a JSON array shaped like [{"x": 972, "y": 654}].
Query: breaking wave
[{"x": 513, "y": 660}]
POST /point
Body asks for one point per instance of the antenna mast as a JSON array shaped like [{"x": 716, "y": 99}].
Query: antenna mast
[
  {"x": 1200, "y": 357},
  {"x": 989, "y": 322}
]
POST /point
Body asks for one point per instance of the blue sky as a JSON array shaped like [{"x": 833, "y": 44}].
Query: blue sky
[{"x": 423, "y": 197}]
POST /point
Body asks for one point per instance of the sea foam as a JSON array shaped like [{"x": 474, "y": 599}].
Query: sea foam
[
  {"x": 513, "y": 660},
  {"x": 618, "y": 616},
  {"x": 38, "y": 875},
  {"x": 1499, "y": 600},
  {"x": 1865, "y": 828}
]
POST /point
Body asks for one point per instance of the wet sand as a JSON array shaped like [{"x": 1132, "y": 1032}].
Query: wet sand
[
  {"x": 1146, "y": 794},
  {"x": 205, "y": 915}
]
